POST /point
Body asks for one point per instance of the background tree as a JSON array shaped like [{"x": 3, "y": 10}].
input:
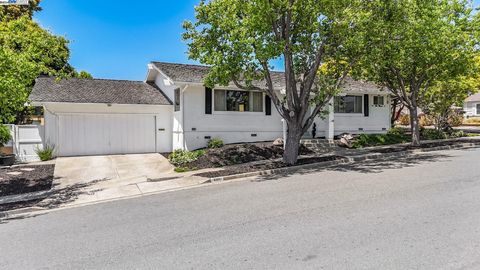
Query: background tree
[
  {"x": 26, "y": 52},
  {"x": 444, "y": 95},
  {"x": 13, "y": 12},
  {"x": 412, "y": 44},
  {"x": 239, "y": 39}
]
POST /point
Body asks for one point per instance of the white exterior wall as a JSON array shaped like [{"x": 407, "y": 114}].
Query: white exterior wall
[
  {"x": 470, "y": 108},
  {"x": 163, "y": 114},
  {"x": 378, "y": 120},
  {"x": 168, "y": 88},
  {"x": 231, "y": 127}
]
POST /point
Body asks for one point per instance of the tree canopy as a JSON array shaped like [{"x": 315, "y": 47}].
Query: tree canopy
[
  {"x": 13, "y": 12},
  {"x": 240, "y": 39},
  {"x": 26, "y": 52},
  {"x": 411, "y": 45}
]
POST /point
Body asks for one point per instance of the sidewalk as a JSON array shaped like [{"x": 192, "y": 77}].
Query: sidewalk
[{"x": 107, "y": 190}]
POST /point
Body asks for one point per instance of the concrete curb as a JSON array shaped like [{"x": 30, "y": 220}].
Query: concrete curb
[
  {"x": 25, "y": 197},
  {"x": 341, "y": 160}
]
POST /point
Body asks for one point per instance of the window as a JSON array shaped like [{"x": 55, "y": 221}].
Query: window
[
  {"x": 378, "y": 101},
  {"x": 177, "y": 99},
  {"x": 238, "y": 101},
  {"x": 348, "y": 104},
  {"x": 478, "y": 109}
]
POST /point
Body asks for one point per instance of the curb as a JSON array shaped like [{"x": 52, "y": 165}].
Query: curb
[
  {"x": 25, "y": 197},
  {"x": 341, "y": 160}
]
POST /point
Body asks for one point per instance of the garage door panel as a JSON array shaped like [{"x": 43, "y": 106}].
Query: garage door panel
[{"x": 95, "y": 134}]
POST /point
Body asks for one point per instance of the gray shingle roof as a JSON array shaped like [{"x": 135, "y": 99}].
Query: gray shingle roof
[
  {"x": 473, "y": 98},
  {"x": 75, "y": 90},
  {"x": 196, "y": 73}
]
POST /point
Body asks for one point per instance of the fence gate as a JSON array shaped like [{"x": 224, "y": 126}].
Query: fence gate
[{"x": 25, "y": 140}]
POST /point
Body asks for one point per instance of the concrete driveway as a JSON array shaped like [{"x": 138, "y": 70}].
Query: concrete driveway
[{"x": 75, "y": 170}]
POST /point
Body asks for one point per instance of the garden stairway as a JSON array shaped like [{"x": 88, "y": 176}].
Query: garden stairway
[{"x": 319, "y": 145}]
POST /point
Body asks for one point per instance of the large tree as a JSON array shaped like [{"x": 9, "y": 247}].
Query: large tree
[
  {"x": 413, "y": 44},
  {"x": 239, "y": 39},
  {"x": 13, "y": 12},
  {"x": 26, "y": 52}
]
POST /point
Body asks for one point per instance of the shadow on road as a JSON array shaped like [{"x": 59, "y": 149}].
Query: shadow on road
[{"x": 369, "y": 166}]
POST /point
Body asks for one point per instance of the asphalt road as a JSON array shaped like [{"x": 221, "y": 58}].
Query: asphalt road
[{"x": 421, "y": 213}]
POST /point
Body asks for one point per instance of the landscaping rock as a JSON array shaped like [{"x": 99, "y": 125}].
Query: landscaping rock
[
  {"x": 278, "y": 142},
  {"x": 345, "y": 140}
]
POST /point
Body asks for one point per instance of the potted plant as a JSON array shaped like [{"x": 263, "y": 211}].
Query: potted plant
[{"x": 5, "y": 137}]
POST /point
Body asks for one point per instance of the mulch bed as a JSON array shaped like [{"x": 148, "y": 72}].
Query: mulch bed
[
  {"x": 240, "y": 153},
  {"x": 245, "y": 168},
  {"x": 24, "y": 179}
]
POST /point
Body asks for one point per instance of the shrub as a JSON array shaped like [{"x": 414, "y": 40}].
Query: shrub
[
  {"x": 396, "y": 131},
  {"x": 5, "y": 135},
  {"x": 404, "y": 120},
  {"x": 365, "y": 140},
  {"x": 426, "y": 120},
  {"x": 46, "y": 153},
  {"x": 473, "y": 120},
  {"x": 455, "y": 119},
  {"x": 215, "y": 143},
  {"x": 432, "y": 134},
  {"x": 181, "y": 157}
]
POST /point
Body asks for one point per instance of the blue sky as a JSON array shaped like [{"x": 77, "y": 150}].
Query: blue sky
[{"x": 117, "y": 39}]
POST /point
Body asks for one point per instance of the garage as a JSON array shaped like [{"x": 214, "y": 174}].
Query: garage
[
  {"x": 95, "y": 134},
  {"x": 104, "y": 117}
]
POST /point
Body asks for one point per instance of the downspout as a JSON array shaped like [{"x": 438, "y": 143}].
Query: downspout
[{"x": 182, "y": 108}]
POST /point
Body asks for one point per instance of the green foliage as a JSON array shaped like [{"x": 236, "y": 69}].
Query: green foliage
[
  {"x": 182, "y": 169},
  {"x": 215, "y": 143},
  {"x": 179, "y": 157},
  {"x": 46, "y": 153},
  {"x": 26, "y": 52},
  {"x": 5, "y": 135},
  {"x": 410, "y": 45},
  {"x": 432, "y": 134},
  {"x": 393, "y": 137},
  {"x": 13, "y": 12},
  {"x": 239, "y": 39}
]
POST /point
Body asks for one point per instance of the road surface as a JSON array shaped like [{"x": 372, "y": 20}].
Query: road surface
[{"x": 409, "y": 213}]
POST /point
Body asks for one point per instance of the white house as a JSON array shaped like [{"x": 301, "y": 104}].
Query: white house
[
  {"x": 172, "y": 109},
  {"x": 471, "y": 106}
]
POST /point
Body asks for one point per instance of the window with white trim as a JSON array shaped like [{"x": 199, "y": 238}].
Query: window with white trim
[
  {"x": 378, "y": 101},
  {"x": 238, "y": 101},
  {"x": 348, "y": 104},
  {"x": 478, "y": 109}
]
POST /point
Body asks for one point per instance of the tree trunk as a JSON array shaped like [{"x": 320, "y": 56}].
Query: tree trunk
[
  {"x": 415, "y": 127},
  {"x": 292, "y": 145}
]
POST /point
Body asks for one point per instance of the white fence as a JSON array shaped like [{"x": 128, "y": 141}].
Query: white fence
[{"x": 26, "y": 139}]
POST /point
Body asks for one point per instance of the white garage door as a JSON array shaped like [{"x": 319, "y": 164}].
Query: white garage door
[{"x": 103, "y": 134}]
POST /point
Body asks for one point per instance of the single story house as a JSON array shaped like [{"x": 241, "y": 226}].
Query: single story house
[
  {"x": 471, "y": 106},
  {"x": 172, "y": 109}
]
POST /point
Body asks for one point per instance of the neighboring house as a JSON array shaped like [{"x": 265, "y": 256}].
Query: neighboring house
[
  {"x": 172, "y": 109},
  {"x": 471, "y": 106}
]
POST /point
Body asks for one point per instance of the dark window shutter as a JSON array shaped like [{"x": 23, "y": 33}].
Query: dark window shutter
[
  {"x": 366, "y": 106},
  {"x": 208, "y": 100},
  {"x": 268, "y": 105}
]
